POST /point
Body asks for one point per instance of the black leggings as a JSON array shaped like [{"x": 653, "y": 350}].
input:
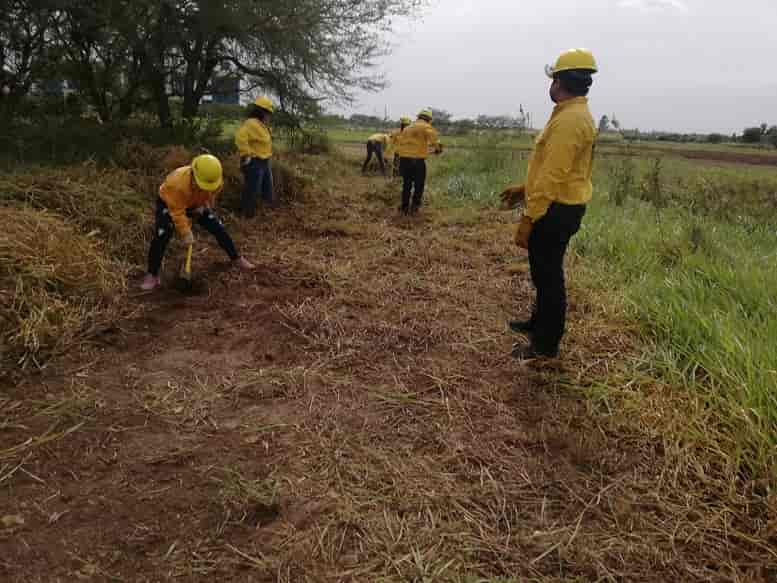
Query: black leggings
[
  {"x": 413, "y": 172},
  {"x": 164, "y": 229}
]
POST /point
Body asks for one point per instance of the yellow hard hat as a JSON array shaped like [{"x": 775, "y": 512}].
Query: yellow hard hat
[
  {"x": 425, "y": 114},
  {"x": 264, "y": 102},
  {"x": 405, "y": 121},
  {"x": 573, "y": 60},
  {"x": 208, "y": 173}
]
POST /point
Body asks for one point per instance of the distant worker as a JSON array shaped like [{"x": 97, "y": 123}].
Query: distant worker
[
  {"x": 189, "y": 193},
  {"x": 377, "y": 144},
  {"x": 556, "y": 191},
  {"x": 416, "y": 142},
  {"x": 254, "y": 142},
  {"x": 395, "y": 135}
]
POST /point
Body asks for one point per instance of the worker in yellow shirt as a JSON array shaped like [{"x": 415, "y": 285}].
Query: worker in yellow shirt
[
  {"x": 556, "y": 191},
  {"x": 254, "y": 142},
  {"x": 416, "y": 142},
  {"x": 377, "y": 144},
  {"x": 395, "y": 135},
  {"x": 189, "y": 193}
]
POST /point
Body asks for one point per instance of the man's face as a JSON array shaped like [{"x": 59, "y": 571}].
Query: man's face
[{"x": 555, "y": 90}]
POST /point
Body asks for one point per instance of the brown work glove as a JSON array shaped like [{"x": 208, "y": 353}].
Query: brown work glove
[
  {"x": 512, "y": 197},
  {"x": 523, "y": 232},
  {"x": 438, "y": 149}
]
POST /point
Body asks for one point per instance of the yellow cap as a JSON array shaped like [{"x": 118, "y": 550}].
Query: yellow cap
[
  {"x": 264, "y": 102},
  {"x": 425, "y": 114},
  {"x": 573, "y": 60},
  {"x": 208, "y": 173},
  {"x": 405, "y": 121}
]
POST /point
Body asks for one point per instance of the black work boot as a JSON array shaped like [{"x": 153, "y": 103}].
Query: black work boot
[{"x": 529, "y": 352}]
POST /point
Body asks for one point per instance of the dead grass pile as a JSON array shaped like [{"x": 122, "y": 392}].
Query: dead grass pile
[
  {"x": 100, "y": 203},
  {"x": 147, "y": 166},
  {"x": 55, "y": 282}
]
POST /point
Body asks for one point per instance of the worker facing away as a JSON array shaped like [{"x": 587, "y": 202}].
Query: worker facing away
[
  {"x": 556, "y": 191},
  {"x": 377, "y": 144},
  {"x": 189, "y": 193},
  {"x": 254, "y": 142},
  {"x": 395, "y": 135},
  {"x": 416, "y": 142}
]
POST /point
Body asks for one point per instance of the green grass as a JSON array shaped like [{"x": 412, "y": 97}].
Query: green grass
[
  {"x": 691, "y": 252},
  {"x": 703, "y": 290}
]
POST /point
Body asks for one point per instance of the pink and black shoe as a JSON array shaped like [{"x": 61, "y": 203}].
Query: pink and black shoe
[{"x": 150, "y": 282}]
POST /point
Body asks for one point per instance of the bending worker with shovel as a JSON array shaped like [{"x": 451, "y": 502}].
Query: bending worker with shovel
[{"x": 189, "y": 192}]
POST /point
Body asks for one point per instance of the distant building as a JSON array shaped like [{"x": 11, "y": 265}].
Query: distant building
[{"x": 226, "y": 90}]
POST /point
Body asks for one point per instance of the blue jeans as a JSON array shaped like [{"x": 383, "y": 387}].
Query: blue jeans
[{"x": 257, "y": 174}]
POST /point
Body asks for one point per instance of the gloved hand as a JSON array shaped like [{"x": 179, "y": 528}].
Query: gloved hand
[
  {"x": 245, "y": 160},
  {"x": 188, "y": 239},
  {"x": 523, "y": 232},
  {"x": 438, "y": 149},
  {"x": 513, "y": 196}
]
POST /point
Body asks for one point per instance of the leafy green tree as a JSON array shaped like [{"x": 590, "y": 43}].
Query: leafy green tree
[{"x": 752, "y": 135}]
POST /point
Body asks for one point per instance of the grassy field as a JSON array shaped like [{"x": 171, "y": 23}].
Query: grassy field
[
  {"x": 350, "y": 411},
  {"x": 689, "y": 249},
  {"x": 737, "y": 154}
]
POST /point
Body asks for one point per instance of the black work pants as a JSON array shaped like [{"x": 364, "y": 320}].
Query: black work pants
[
  {"x": 377, "y": 149},
  {"x": 413, "y": 172},
  {"x": 548, "y": 244},
  {"x": 164, "y": 229}
]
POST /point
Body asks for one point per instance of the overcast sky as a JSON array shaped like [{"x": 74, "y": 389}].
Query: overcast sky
[{"x": 680, "y": 65}]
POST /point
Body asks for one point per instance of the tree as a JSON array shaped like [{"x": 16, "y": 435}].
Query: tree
[
  {"x": 771, "y": 136},
  {"x": 752, "y": 135},
  {"x": 604, "y": 124},
  {"x": 441, "y": 116},
  {"x": 102, "y": 52},
  {"x": 121, "y": 53},
  {"x": 25, "y": 44}
]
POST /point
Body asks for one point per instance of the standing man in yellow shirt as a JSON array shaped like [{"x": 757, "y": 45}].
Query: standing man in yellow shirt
[
  {"x": 254, "y": 142},
  {"x": 377, "y": 144},
  {"x": 415, "y": 144},
  {"x": 557, "y": 189}
]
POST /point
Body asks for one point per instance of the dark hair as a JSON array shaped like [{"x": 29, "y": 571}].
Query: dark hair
[
  {"x": 576, "y": 82},
  {"x": 256, "y": 111}
]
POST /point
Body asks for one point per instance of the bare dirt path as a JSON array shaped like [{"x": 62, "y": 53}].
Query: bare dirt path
[{"x": 348, "y": 412}]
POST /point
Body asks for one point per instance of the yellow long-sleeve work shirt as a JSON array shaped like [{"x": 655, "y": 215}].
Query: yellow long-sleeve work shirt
[
  {"x": 180, "y": 193},
  {"x": 395, "y": 135},
  {"x": 562, "y": 162},
  {"x": 384, "y": 139},
  {"x": 417, "y": 139},
  {"x": 254, "y": 139}
]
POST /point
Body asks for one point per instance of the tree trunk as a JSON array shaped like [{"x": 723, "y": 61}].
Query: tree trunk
[{"x": 163, "y": 109}]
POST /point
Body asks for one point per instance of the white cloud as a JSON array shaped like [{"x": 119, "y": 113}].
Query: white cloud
[{"x": 654, "y": 5}]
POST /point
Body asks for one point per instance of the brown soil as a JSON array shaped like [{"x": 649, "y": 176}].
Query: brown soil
[{"x": 349, "y": 412}]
